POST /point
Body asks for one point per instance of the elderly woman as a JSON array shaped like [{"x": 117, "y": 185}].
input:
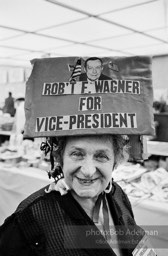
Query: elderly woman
[{"x": 93, "y": 217}]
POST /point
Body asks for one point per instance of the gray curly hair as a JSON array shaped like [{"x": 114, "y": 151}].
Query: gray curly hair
[{"x": 119, "y": 142}]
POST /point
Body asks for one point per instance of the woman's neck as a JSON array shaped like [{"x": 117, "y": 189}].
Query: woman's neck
[{"x": 87, "y": 204}]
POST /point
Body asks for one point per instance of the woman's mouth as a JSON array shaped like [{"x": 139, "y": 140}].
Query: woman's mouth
[{"x": 86, "y": 181}]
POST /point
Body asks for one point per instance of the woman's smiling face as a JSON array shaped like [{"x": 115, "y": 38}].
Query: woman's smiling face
[{"x": 87, "y": 164}]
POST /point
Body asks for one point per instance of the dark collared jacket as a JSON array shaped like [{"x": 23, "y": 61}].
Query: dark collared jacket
[{"x": 48, "y": 224}]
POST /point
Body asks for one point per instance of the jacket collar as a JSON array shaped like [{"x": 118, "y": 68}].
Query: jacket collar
[
  {"x": 132, "y": 232},
  {"x": 79, "y": 217},
  {"x": 87, "y": 234}
]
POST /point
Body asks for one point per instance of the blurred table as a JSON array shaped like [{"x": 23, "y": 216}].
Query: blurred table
[
  {"x": 157, "y": 148},
  {"x": 153, "y": 216},
  {"x": 16, "y": 184}
]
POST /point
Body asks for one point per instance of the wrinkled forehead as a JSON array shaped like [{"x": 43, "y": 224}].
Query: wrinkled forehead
[{"x": 103, "y": 141}]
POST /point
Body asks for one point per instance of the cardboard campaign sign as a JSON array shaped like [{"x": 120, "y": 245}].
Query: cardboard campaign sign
[{"x": 77, "y": 95}]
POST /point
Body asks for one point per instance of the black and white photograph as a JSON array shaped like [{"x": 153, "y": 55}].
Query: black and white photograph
[{"x": 83, "y": 127}]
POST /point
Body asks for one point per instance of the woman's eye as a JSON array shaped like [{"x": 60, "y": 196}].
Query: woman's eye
[
  {"x": 77, "y": 154},
  {"x": 102, "y": 157}
]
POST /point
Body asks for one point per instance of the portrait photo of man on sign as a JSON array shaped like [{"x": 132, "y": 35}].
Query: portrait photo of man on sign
[{"x": 93, "y": 67}]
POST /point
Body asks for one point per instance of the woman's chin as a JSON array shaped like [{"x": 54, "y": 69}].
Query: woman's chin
[
  {"x": 87, "y": 191},
  {"x": 86, "y": 194}
]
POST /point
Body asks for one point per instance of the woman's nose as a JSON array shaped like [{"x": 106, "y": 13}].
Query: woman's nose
[{"x": 88, "y": 169}]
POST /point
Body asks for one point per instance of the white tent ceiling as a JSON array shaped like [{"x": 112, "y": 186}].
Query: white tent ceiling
[{"x": 40, "y": 28}]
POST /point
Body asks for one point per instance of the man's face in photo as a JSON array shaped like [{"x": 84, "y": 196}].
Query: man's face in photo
[{"x": 94, "y": 69}]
